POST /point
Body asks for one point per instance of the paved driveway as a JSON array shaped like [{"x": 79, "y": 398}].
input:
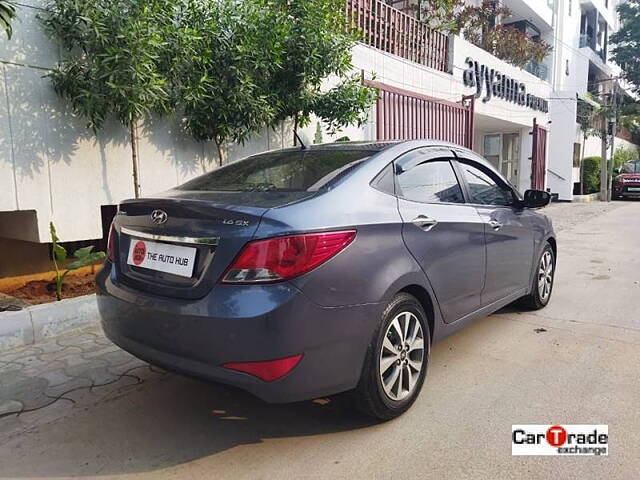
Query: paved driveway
[{"x": 78, "y": 406}]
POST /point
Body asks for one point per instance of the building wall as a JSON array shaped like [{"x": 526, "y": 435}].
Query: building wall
[
  {"x": 593, "y": 146},
  {"x": 51, "y": 164}
]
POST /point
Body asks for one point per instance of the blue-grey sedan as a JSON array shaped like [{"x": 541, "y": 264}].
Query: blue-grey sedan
[{"x": 307, "y": 272}]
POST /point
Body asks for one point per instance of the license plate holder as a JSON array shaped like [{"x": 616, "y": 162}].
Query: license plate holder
[{"x": 162, "y": 257}]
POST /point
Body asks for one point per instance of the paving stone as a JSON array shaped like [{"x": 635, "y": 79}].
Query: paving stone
[
  {"x": 7, "y": 406},
  {"x": 65, "y": 388}
]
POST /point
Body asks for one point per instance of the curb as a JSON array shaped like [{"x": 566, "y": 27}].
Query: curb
[
  {"x": 592, "y": 197},
  {"x": 33, "y": 324}
]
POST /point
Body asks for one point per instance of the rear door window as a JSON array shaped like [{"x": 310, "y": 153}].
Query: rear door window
[
  {"x": 423, "y": 178},
  {"x": 484, "y": 188},
  {"x": 284, "y": 171}
]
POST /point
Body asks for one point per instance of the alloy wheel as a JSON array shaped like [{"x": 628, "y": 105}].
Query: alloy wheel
[
  {"x": 545, "y": 276},
  {"x": 402, "y": 356}
]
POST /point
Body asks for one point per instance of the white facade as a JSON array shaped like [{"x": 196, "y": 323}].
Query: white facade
[
  {"x": 53, "y": 169},
  {"x": 581, "y": 64}
]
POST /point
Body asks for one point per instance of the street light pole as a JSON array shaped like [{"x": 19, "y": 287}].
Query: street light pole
[{"x": 603, "y": 151}]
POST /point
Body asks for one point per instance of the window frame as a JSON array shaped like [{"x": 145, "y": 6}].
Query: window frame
[
  {"x": 495, "y": 176},
  {"x": 433, "y": 155}
]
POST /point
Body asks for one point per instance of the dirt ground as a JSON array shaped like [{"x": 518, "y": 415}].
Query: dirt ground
[{"x": 44, "y": 291}]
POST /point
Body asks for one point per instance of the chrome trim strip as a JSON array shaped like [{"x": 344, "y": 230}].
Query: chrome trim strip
[{"x": 170, "y": 238}]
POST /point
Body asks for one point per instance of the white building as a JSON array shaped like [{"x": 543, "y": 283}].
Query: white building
[{"x": 53, "y": 169}]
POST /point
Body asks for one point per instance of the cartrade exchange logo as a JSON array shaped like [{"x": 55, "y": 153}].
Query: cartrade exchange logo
[{"x": 560, "y": 440}]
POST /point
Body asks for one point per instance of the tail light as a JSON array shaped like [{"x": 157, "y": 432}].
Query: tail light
[
  {"x": 282, "y": 258},
  {"x": 111, "y": 244},
  {"x": 267, "y": 371}
]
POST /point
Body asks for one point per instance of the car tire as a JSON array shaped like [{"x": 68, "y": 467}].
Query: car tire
[
  {"x": 545, "y": 272},
  {"x": 388, "y": 394}
]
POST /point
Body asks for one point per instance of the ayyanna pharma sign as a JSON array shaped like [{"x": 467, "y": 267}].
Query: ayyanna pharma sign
[{"x": 496, "y": 84}]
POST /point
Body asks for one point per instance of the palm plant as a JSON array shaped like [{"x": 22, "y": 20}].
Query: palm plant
[{"x": 7, "y": 14}]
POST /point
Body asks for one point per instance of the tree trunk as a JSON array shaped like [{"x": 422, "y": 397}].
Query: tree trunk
[
  {"x": 133, "y": 132},
  {"x": 584, "y": 146},
  {"x": 295, "y": 130},
  {"x": 220, "y": 152}
]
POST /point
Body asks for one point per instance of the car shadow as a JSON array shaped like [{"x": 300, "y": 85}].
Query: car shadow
[{"x": 165, "y": 423}]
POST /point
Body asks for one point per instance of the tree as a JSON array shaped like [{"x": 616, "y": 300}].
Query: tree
[
  {"x": 440, "y": 15},
  {"x": 626, "y": 42},
  {"x": 478, "y": 25},
  {"x": 7, "y": 14},
  {"x": 317, "y": 45},
  {"x": 585, "y": 118},
  {"x": 112, "y": 51},
  {"x": 221, "y": 68}
]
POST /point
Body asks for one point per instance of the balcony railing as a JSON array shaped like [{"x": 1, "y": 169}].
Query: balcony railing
[
  {"x": 589, "y": 41},
  {"x": 388, "y": 29},
  {"x": 540, "y": 70}
]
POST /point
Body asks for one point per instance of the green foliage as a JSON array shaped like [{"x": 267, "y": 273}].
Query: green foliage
[
  {"x": 626, "y": 42},
  {"x": 226, "y": 53},
  {"x": 317, "y": 45},
  {"x": 240, "y": 66},
  {"x": 345, "y": 104},
  {"x": 507, "y": 43},
  {"x": 227, "y": 68},
  {"x": 112, "y": 51},
  {"x": 623, "y": 155},
  {"x": 591, "y": 174},
  {"x": 7, "y": 14},
  {"x": 83, "y": 257},
  {"x": 439, "y": 15}
]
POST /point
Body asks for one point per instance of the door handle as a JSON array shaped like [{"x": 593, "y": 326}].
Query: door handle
[
  {"x": 495, "y": 225},
  {"x": 424, "y": 222}
]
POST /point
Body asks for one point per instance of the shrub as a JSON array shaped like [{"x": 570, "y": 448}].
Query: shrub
[
  {"x": 591, "y": 174},
  {"x": 82, "y": 257},
  {"x": 623, "y": 155}
]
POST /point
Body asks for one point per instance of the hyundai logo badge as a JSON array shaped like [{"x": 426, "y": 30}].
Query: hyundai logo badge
[{"x": 159, "y": 217}]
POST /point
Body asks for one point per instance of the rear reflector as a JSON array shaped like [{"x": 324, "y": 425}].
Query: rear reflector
[
  {"x": 267, "y": 371},
  {"x": 282, "y": 258}
]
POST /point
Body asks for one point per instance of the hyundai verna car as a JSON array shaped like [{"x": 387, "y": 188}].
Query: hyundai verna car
[{"x": 302, "y": 273}]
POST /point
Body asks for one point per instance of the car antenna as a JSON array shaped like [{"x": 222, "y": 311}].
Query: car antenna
[{"x": 302, "y": 145}]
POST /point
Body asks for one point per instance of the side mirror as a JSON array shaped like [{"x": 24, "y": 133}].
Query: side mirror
[
  {"x": 617, "y": 171},
  {"x": 536, "y": 199}
]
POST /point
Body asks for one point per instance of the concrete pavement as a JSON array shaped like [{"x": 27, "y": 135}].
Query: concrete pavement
[{"x": 90, "y": 410}]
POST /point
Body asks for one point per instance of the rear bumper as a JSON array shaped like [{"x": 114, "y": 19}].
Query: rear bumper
[{"x": 242, "y": 324}]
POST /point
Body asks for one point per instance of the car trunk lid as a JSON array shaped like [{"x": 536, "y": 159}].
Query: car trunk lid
[{"x": 208, "y": 227}]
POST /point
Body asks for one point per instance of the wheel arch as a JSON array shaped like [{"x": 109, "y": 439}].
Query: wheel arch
[
  {"x": 554, "y": 246},
  {"x": 422, "y": 295}
]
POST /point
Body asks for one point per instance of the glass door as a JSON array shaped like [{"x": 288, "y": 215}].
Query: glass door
[
  {"x": 510, "y": 157},
  {"x": 492, "y": 148},
  {"x": 503, "y": 151}
]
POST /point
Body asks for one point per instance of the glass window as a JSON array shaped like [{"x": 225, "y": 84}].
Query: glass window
[
  {"x": 284, "y": 171},
  {"x": 430, "y": 182},
  {"x": 484, "y": 190},
  {"x": 384, "y": 181}
]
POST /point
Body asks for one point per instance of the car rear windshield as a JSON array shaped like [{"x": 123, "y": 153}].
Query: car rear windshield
[{"x": 284, "y": 171}]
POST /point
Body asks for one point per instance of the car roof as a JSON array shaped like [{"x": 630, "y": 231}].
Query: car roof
[{"x": 375, "y": 145}]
